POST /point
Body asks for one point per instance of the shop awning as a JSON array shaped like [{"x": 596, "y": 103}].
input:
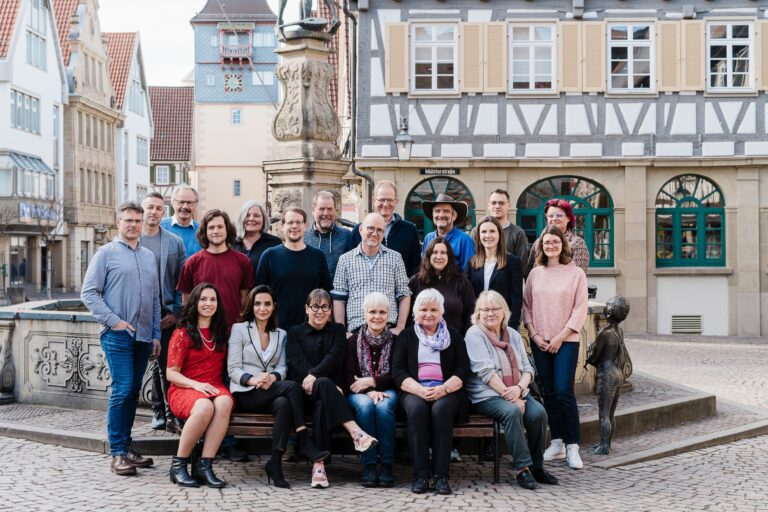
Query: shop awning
[{"x": 30, "y": 163}]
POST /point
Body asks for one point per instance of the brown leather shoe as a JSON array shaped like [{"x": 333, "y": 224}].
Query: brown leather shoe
[
  {"x": 122, "y": 466},
  {"x": 137, "y": 460}
]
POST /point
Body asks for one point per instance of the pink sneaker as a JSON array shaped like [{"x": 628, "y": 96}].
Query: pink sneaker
[
  {"x": 363, "y": 441},
  {"x": 319, "y": 478}
]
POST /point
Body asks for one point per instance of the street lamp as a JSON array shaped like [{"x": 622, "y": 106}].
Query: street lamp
[{"x": 404, "y": 141}]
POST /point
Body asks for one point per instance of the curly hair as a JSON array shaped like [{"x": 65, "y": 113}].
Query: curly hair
[
  {"x": 189, "y": 319},
  {"x": 202, "y": 231}
]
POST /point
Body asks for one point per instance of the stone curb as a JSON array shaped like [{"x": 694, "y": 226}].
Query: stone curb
[{"x": 65, "y": 438}]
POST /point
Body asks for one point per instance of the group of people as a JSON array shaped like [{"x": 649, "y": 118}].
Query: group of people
[{"x": 352, "y": 328}]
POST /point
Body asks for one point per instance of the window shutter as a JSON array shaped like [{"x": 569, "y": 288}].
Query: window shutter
[
  {"x": 692, "y": 69},
  {"x": 396, "y": 57},
  {"x": 668, "y": 55},
  {"x": 594, "y": 56},
  {"x": 152, "y": 175},
  {"x": 495, "y": 69},
  {"x": 570, "y": 56},
  {"x": 762, "y": 55},
  {"x": 171, "y": 174},
  {"x": 471, "y": 55}
]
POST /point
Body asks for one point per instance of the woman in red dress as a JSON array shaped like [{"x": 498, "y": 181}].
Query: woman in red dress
[{"x": 196, "y": 360}]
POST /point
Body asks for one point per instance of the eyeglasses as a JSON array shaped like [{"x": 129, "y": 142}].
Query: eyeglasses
[
  {"x": 555, "y": 215},
  {"x": 370, "y": 230},
  {"x": 185, "y": 203},
  {"x": 490, "y": 310},
  {"x": 386, "y": 200},
  {"x": 552, "y": 243},
  {"x": 317, "y": 307}
]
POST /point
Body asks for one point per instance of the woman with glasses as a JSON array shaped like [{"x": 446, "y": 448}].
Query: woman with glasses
[
  {"x": 257, "y": 369},
  {"x": 559, "y": 213},
  {"x": 498, "y": 388},
  {"x": 253, "y": 237},
  {"x": 315, "y": 351},
  {"x": 493, "y": 268},
  {"x": 554, "y": 310}
]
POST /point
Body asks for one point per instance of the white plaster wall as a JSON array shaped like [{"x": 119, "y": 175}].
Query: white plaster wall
[
  {"x": 606, "y": 287},
  {"x": 693, "y": 295},
  {"x": 137, "y": 126}
]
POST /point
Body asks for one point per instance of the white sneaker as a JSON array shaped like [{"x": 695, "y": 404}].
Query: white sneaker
[
  {"x": 574, "y": 459},
  {"x": 556, "y": 450}
]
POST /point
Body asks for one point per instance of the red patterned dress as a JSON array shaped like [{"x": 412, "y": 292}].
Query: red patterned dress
[{"x": 203, "y": 365}]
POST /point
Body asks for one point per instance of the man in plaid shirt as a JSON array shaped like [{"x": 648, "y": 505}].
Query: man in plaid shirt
[{"x": 370, "y": 267}]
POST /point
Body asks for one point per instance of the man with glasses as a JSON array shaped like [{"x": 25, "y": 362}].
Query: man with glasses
[
  {"x": 293, "y": 269},
  {"x": 399, "y": 234},
  {"x": 370, "y": 267},
  {"x": 514, "y": 236},
  {"x": 183, "y": 224}
]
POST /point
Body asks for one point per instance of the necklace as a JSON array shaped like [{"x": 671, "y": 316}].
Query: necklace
[{"x": 207, "y": 341}]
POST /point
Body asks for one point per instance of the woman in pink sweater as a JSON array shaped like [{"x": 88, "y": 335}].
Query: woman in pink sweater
[{"x": 554, "y": 310}]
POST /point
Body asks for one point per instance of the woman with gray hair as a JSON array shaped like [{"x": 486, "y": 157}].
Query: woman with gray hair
[
  {"x": 430, "y": 365},
  {"x": 371, "y": 390},
  {"x": 253, "y": 237}
]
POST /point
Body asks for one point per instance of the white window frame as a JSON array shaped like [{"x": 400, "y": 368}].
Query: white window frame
[
  {"x": 27, "y": 116},
  {"x": 162, "y": 170},
  {"x": 532, "y": 44},
  {"x": 263, "y": 77},
  {"x": 729, "y": 42},
  {"x": 630, "y": 44},
  {"x": 37, "y": 50},
  {"x": 434, "y": 45},
  {"x": 142, "y": 151},
  {"x": 263, "y": 39},
  {"x": 236, "y": 117},
  {"x": 210, "y": 79},
  {"x": 214, "y": 41}
]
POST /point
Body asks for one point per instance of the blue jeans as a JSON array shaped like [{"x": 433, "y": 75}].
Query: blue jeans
[
  {"x": 127, "y": 360},
  {"x": 557, "y": 372},
  {"x": 379, "y": 421}
]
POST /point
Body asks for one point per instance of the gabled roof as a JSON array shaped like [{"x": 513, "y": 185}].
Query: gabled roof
[
  {"x": 235, "y": 10},
  {"x": 8, "y": 11},
  {"x": 120, "y": 46},
  {"x": 173, "y": 111},
  {"x": 64, "y": 9}
]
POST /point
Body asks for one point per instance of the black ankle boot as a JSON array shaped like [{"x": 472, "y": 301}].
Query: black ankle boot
[
  {"x": 202, "y": 471},
  {"x": 274, "y": 470},
  {"x": 179, "y": 474},
  {"x": 309, "y": 450}
]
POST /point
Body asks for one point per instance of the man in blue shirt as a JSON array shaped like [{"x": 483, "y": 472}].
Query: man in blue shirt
[
  {"x": 121, "y": 289},
  {"x": 183, "y": 224},
  {"x": 446, "y": 213}
]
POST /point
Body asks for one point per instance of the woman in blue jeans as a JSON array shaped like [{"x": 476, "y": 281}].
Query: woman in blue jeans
[{"x": 371, "y": 389}]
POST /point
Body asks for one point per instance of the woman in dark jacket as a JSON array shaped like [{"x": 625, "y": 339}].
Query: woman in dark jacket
[
  {"x": 315, "y": 351},
  {"x": 493, "y": 268},
  {"x": 430, "y": 365}
]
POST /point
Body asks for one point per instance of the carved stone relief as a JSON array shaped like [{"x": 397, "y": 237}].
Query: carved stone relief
[{"x": 72, "y": 363}]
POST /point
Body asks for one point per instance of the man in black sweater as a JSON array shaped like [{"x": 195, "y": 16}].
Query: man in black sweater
[
  {"x": 400, "y": 235},
  {"x": 293, "y": 269}
]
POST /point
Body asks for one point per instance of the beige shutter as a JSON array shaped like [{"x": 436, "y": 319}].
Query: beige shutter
[
  {"x": 570, "y": 56},
  {"x": 668, "y": 55},
  {"x": 594, "y": 56},
  {"x": 762, "y": 55},
  {"x": 396, "y": 50},
  {"x": 692, "y": 70},
  {"x": 471, "y": 55},
  {"x": 495, "y": 69}
]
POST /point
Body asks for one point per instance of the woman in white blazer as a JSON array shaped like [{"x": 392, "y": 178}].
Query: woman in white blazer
[{"x": 257, "y": 368}]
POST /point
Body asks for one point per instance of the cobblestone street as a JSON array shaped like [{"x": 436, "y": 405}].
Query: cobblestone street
[{"x": 38, "y": 477}]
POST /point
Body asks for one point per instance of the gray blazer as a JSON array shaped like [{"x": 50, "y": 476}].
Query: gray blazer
[
  {"x": 172, "y": 258},
  {"x": 245, "y": 359}
]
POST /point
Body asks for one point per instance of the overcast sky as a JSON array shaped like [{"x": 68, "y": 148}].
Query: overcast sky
[{"x": 166, "y": 35}]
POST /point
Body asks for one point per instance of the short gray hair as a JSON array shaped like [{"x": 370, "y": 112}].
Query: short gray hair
[
  {"x": 429, "y": 296},
  {"x": 324, "y": 194},
  {"x": 180, "y": 188},
  {"x": 385, "y": 183},
  {"x": 375, "y": 299},
  {"x": 244, "y": 212}
]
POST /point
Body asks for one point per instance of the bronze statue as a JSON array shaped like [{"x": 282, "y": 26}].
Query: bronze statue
[
  {"x": 609, "y": 356},
  {"x": 306, "y": 21}
]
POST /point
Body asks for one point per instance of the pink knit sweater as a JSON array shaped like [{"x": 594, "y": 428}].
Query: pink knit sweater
[{"x": 556, "y": 297}]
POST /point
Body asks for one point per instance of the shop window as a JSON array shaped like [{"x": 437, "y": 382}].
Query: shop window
[
  {"x": 591, "y": 203},
  {"x": 428, "y": 190},
  {"x": 690, "y": 223}
]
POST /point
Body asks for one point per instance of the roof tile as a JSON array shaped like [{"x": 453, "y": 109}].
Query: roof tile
[
  {"x": 63, "y": 10},
  {"x": 173, "y": 111},
  {"x": 120, "y": 48},
  {"x": 8, "y": 11}
]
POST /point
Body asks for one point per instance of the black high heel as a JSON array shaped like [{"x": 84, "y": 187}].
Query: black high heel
[
  {"x": 275, "y": 472},
  {"x": 179, "y": 474},
  {"x": 202, "y": 471}
]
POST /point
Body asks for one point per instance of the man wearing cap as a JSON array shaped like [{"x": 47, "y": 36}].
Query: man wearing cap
[{"x": 446, "y": 213}]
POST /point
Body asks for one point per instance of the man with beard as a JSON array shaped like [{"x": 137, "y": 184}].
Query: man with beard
[
  {"x": 293, "y": 269},
  {"x": 183, "y": 224},
  {"x": 446, "y": 213},
  {"x": 370, "y": 267},
  {"x": 170, "y": 256},
  {"x": 324, "y": 234}
]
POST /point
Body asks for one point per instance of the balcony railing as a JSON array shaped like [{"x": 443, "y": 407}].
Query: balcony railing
[{"x": 236, "y": 51}]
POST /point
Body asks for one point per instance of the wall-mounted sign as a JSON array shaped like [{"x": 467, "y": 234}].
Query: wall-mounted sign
[
  {"x": 440, "y": 172},
  {"x": 29, "y": 212}
]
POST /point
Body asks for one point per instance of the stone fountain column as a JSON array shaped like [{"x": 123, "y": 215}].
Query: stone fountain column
[{"x": 307, "y": 159}]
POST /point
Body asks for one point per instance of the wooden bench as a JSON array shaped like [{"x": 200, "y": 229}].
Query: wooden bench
[{"x": 478, "y": 427}]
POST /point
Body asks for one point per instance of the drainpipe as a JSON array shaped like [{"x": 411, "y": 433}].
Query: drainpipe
[{"x": 352, "y": 49}]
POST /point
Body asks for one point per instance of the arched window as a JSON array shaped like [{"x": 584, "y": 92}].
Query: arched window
[
  {"x": 592, "y": 205},
  {"x": 428, "y": 190},
  {"x": 690, "y": 223}
]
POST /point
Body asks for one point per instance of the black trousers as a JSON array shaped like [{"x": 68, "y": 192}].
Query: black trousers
[
  {"x": 329, "y": 410},
  {"x": 159, "y": 380},
  {"x": 283, "y": 400},
  {"x": 430, "y": 425}
]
